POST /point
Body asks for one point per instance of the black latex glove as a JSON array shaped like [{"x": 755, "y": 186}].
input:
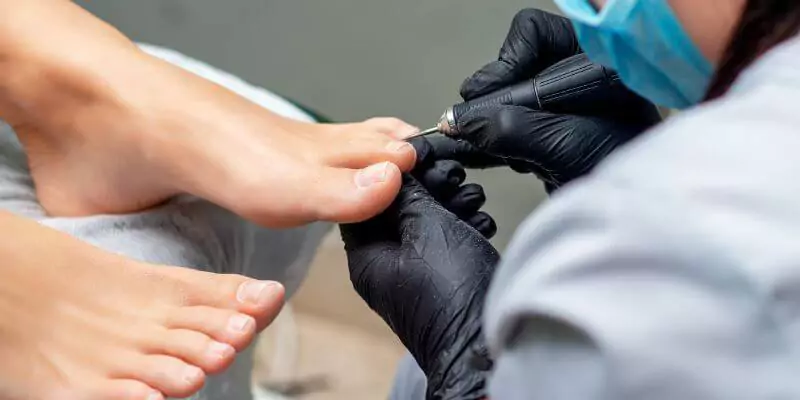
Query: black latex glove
[
  {"x": 557, "y": 148},
  {"x": 443, "y": 177},
  {"x": 426, "y": 273}
]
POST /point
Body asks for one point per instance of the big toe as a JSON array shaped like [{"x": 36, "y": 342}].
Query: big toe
[
  {"x": 349, "y": 196},
  {"x": 359, "y": 150}
]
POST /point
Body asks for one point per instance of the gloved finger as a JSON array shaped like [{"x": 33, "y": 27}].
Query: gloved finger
[
  {"x": 378, "y": 233},
  {"x": 521, "y": 167},
  {"x": 440, "y": 147},
  {"x": 503, "y": 131},
  {"x": 526, "y": 139},
  {"x": 442, "y": 179},
  {"x": 421, "y": 219},
  {"x": 483, "y": 223},
  {"x": 466, "y": 201},
  {"x": 535, "y": 41}
]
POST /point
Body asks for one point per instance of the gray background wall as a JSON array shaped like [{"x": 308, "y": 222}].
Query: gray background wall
[{"x": 350, "y": 59}]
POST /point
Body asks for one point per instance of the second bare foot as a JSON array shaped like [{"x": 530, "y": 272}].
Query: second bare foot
[{"x": 79, "y": 323}]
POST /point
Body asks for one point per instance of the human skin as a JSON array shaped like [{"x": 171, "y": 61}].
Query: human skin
[
  {"x": 79, "y": 323},
  {"x": 709, "y": 23},
  {"x": 110, "y": 129}
]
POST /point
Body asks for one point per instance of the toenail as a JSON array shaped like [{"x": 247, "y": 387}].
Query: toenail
[
  {"x": 410, "y": 131},
  {"x": 220, "y": 351},
  {"x": 256, "y": 292},
  {"x": 192, "y": 374},
  {"x": 398, "y": 147},
  {"x": 373, "y": 174},
  {"x": 240, "y": 323}
]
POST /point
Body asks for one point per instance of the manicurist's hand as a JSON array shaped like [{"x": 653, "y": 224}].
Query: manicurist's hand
[
  {"x": 556, "y": 147},
  {"x": 426, "y": 271}
]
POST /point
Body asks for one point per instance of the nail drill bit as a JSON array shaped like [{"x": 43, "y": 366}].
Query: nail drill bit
[{"x": 426, "y": 132}]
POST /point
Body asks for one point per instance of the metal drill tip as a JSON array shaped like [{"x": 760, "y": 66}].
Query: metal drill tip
[{"x": 426, "y": 132}]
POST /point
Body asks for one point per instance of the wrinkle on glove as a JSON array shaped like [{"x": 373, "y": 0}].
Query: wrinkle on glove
[
  {"x": 535, "y": 41},
  {"x": 557, "y": 148},
  {"x": 426, "y": 273}
]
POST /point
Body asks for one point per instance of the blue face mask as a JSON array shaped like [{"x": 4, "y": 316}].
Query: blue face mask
[{"x": 645, "y": 43}]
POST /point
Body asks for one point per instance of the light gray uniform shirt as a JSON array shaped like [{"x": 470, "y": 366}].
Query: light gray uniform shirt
[{"x": 673, "y": 271}]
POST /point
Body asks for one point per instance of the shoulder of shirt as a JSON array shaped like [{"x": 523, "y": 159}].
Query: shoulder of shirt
[{"x": 744, "y": 143}]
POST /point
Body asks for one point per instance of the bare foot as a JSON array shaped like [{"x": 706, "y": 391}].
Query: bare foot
[
  {"x": 201, "y": 139},
  {"x": 110, "y": 129},
  {"x": 275, "y": 176},
  {"x": 79, "y": 323}
]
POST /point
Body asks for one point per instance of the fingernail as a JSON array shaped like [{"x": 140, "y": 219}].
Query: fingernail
[
  {"x": 255, "y": 292},
  {"x": 373, "y": 174},
  {"x": 155, "y": 396},
  {"x": 192, "y": 374},
  {"x": 239, "y": 323},
  {"x": 220, "y": 351},
  {"x": 398, "y": 147}
]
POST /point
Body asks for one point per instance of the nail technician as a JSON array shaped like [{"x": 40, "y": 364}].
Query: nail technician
[{"x": 669, "y": 271}]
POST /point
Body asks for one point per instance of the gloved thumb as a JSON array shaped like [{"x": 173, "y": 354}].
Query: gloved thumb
[{"x": 435, "y": 148}]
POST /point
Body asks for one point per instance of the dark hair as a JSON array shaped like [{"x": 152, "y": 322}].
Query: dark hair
[{"x": 764, "y": 24}]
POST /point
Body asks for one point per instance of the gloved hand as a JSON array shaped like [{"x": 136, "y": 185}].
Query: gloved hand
[
  {"x": 443, "y": 177},
  {"x": 426, "y": 273},
  {"x": 557, "y": 148}
]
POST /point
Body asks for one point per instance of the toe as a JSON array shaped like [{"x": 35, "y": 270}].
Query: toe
[
  {"x": 349, "y": 196},
  {"x": 261, "y": 300},
  {"x": 226, "y": 326},
  {"x": 126, "y": 389},
  {"x": 194, "y": 348},
  {"x": 169, "y": 375},
  {"x": 356, "y": 149},
  {"x": 392, "y": 127}
]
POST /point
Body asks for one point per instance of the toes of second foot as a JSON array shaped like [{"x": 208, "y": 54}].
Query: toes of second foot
[
  {"x": 261, "y": 300},
  {"x": 225, "y": 326},
  {"x": 126, "y": 389},
  {"x": 196, "y": 349},
  {"x": 169, "y": 375}
]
